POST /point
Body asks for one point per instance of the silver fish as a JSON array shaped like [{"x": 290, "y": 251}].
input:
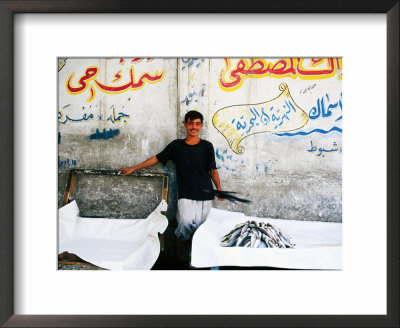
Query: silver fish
[
  {"x": 257, "y": 242},
  {"x": 256, "y": 235},
  {"x": 262, "y": 244},
  {"x": 247, "y": 244},
  {"x": 245, "y": 227}
]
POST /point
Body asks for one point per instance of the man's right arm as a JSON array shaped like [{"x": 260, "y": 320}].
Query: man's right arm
[{"x": 148, "y": 162}]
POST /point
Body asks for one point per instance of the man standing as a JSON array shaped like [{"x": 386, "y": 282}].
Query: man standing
[{"x": 194, "y": 159}]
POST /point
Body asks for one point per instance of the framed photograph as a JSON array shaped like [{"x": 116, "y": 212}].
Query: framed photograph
[{"x": 37, "y": 37}]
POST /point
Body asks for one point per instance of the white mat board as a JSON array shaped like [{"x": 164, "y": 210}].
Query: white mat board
[
  {"x": 115, "y": 244},
  {"x": 318, "y": 244}
]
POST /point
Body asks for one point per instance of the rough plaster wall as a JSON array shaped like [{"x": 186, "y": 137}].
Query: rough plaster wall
[
  {"x": 116, "y": 126},
  {"x": 282, "y": 177},
  {"x": 291, "y": 172},
  {"x": 193, "y": 74},
  {"x": 292, "y": 176}
]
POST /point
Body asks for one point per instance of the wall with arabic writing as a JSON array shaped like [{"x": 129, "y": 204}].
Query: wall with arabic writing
[
  {"x": 276, "y": 126},
  {"x": 275, "y": 123},
  {"x": 112, "y": 113}
]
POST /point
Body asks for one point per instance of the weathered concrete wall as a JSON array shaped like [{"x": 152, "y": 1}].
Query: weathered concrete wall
[
  {"x": 115, "y": 113},
  {"x": 275, "y": 125},
  {"x": 276, "y": 128}
]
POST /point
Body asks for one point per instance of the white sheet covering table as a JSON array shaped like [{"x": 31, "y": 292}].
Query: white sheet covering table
[
  {"x": 115, "y": 244},
  {"x": 318, "y": 244}
]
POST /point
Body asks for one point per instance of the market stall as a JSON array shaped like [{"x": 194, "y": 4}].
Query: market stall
[{"x": 317, "y": 245}]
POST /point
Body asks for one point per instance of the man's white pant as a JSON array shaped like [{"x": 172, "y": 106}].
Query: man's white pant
[{"x": 191, "y": 214}]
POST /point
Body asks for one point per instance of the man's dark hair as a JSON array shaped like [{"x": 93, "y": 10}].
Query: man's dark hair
[{"x": 193, "y": 114}]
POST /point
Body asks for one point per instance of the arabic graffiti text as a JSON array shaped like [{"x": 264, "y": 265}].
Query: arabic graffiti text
[
  {"x": 66, "y": 163},
  {"x": 232, "y": 78},
  {"x": 193, "y": 96},
  {"x": 191, "y": 62},
  {"x": 324, "y": 108},
  {"x": 277, "y": 115},
  {"x": 104, "y": 135},
  {"x": 114, "y": 117},
  {"x": 89, "y": 81},
  {"x": 321, "y": 151},
  {"x": 63, "y": 119},
  {"x": 117, "y": 118}
]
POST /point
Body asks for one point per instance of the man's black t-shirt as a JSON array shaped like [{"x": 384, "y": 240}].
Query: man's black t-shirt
[{"x": 193, "y": 166}]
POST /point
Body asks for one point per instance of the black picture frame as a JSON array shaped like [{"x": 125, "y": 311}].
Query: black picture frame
[{"x": 10, "y": 7}]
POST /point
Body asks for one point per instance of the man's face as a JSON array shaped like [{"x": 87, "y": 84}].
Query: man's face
[{"x": 193, "y": 127}]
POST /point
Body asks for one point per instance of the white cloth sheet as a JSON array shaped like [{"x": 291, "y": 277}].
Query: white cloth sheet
[
  {"x": 115, "y": 244},
  {"x": 318, "y": 244}
]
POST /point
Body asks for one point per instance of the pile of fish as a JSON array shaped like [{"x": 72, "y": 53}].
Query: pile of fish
[{"x": 256, "y": 235}]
